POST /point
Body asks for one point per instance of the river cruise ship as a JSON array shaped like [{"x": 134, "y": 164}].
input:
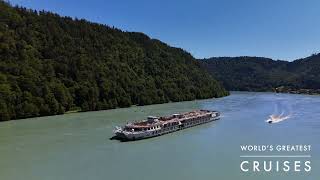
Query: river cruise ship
[{"x": 156, "y": 126}]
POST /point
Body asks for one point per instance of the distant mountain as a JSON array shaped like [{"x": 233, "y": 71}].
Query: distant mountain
[
  {"x": 51, "y": 64},
  {"x": 264, "y": 74}
]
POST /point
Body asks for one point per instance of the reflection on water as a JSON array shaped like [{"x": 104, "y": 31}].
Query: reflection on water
[{"x": 77, "y": 146}]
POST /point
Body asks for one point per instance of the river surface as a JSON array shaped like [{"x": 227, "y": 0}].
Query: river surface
[{"x": 77, "y": 146}]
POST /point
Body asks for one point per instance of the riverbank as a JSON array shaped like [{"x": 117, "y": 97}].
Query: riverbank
[
  {"x": 283, "y": 89},
  {"x": 79, "y": 110}
]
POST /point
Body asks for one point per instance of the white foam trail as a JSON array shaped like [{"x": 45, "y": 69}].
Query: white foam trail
[{"x": 276, "y": 117}]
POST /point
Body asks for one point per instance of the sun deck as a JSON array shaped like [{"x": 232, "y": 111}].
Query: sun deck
[{"x": 153, "y": 121}]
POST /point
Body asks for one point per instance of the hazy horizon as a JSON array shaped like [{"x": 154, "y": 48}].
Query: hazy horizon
[{"x": 280, "y": 30}]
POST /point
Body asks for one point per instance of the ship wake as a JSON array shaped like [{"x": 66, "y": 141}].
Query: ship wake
[{"x": 276, "y": 117}]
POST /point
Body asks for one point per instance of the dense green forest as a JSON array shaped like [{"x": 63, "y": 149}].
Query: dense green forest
[
  {"x": 263, "y": 74},
  {"x": 51, "y": 64}
]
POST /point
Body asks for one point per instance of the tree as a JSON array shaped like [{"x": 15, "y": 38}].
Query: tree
[{"x": 50, "y": 64}]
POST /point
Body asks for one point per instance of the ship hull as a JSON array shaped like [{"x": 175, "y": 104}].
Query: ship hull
[{"x": 123, "y": 136}]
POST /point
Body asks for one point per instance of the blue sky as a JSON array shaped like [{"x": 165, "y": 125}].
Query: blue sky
[{"x": 280, "y": 29}]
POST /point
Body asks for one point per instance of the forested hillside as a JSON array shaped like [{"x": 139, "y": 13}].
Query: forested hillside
[
  {"x": 51, "y": 64},
  {"x": 263, "y": 74}
]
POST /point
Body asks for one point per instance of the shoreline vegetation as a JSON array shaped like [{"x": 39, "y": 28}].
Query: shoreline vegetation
[
  {"x": 283, "y": 89},
  {"x": 51, "y": 64},
  {"x": 78, "y": 109},
  {"x": 301, "y": 76}
]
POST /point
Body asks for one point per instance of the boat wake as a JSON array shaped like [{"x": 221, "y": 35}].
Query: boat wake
[{"x": 277, "y": 117}]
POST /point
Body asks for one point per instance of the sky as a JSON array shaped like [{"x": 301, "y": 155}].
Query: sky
[{"x": 278, "y": 29}]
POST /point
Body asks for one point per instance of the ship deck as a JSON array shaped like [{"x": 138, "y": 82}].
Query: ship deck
[{"x": 168, "y": 119}]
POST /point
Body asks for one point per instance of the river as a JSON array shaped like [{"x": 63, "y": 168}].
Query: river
[{"x": 77, "y": 146}]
